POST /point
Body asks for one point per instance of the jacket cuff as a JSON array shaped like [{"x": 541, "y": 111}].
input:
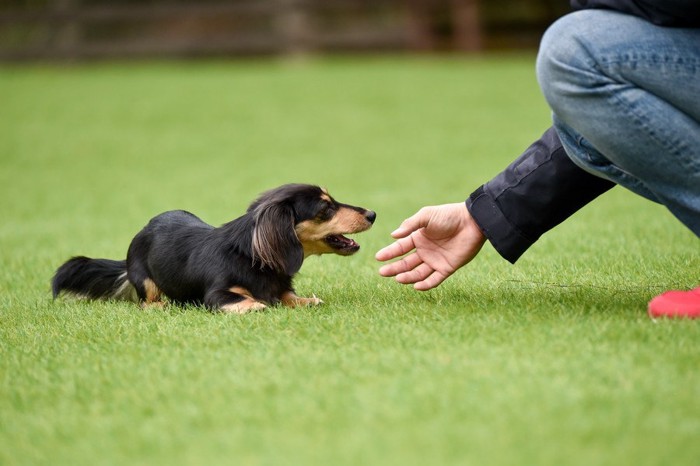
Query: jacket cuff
[
  {"x": 536, "y": 192},
  {"x": 503, "y": 236}
]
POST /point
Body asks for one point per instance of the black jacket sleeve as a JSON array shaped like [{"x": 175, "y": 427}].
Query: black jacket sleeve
[
  {"x": 673, "y": 13},
  {"x": 536, "y": 192}
]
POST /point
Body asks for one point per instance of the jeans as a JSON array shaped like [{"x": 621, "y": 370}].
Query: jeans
[{"x": 626, "y": 101}]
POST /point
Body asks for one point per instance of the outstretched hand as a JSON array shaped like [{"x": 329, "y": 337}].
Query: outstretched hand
[{"x": 440, "y": 239}]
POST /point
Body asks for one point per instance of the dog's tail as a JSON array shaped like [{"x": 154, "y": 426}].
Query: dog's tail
[{"x": 93, "y": 279}]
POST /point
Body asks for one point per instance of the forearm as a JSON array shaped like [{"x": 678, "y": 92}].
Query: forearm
[{"x": 536, "y": 192}]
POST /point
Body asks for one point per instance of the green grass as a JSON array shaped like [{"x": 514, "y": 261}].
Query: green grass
[{"x": 551, "y": 361}]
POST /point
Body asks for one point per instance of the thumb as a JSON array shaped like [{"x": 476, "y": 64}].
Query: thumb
[{"x": 415, "y": 222}]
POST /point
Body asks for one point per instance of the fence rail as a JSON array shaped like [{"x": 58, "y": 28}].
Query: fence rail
[{"x": 78, "y": 29}]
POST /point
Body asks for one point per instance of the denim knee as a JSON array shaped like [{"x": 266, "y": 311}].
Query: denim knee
[{"x": 563, "y": 55}]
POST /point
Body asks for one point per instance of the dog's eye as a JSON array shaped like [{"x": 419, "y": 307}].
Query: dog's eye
[{"x": 326, "y": 212}]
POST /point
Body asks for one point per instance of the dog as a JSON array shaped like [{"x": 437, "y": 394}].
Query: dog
[{"x": 245, "y": 265}]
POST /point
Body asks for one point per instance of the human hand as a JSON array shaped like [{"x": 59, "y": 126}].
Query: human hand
[{"x": 443, "y": 238}]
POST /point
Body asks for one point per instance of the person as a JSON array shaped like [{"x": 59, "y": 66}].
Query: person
[{"x": 622, "y": 78}]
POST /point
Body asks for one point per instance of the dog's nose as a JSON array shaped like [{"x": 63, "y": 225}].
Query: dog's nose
[{"x": 370, "y": 216}]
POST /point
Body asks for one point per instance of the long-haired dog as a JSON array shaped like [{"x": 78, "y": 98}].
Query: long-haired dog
[{"x": 244, "y": 265}]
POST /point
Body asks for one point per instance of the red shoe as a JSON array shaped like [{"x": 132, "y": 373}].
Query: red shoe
[{"x": 676, "y": 304}]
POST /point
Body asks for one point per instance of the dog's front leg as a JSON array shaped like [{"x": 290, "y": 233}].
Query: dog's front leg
[
  {"x": 235, "y": 300},
  {"x": 292, "y": 300}
]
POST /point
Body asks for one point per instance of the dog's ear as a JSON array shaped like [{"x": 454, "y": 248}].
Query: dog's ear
[{"x": 275, "y": 243}]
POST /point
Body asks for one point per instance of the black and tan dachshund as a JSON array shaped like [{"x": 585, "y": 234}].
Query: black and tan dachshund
[{"x": 244, "y": 265}]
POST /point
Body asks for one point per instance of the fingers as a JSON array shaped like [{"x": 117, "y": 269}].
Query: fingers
[
  {"x": 431, "y": 281},
  {"x": 415, "y": 222},
  {"x": 404, "y": 265},
  {"x": 402, "y": 233},
  {"x": 423, "y": 277},
  {"x": 418, "y": 273},
  {"x": 412, "y": 270},
  {"x": 395, "y": 249}
]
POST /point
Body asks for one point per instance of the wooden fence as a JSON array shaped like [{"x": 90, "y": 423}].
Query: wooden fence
[{"x": 80, "y": 29}]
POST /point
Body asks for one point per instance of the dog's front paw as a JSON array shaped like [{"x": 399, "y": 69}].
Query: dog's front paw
[
  {"x": 311, "y": 301},
  {"x": 243, "y": 307},
  {"x": 153, "y": 305},
  {"x": 291, "y": 300}
]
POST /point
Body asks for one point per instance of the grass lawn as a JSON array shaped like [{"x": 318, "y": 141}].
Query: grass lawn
[{"x": 551, "y": 361}]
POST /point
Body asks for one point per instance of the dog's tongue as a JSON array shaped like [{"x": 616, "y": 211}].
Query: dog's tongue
[
  {"x": 344, "y": 242},
  {"x": 347, "y": 241}
]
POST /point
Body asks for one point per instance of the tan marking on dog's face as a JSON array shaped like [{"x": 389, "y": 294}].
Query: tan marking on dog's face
[
  {"x": 153, "y": 293},
  {"x": 311, "y": 233}
]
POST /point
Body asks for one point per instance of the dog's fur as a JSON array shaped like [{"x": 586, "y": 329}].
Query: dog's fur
[{"x": 244, "y": 265}]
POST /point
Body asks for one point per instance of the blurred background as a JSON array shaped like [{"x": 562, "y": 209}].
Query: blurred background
[{"x": 89, "y": 29}]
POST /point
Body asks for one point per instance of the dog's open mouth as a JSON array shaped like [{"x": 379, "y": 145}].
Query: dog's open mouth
[{"x": 341, "y": 244}]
